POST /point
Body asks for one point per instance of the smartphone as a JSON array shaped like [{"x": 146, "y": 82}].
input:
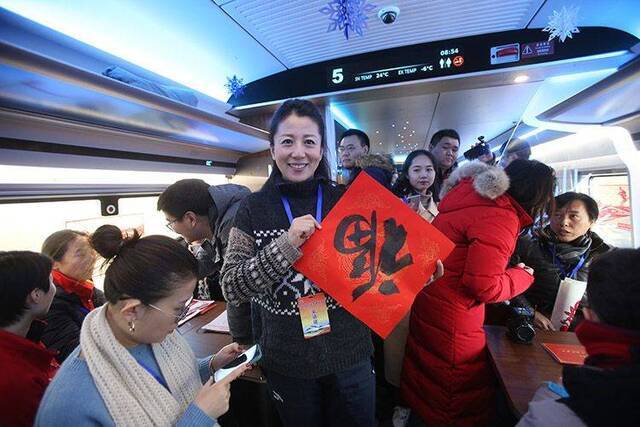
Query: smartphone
[
  {"x": 413, "y": 202},
  {"x": 252, "y": 355}
]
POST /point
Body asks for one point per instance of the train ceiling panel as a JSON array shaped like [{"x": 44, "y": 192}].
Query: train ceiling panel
[
  {"x": 620, "y": 14},
  {"x": 395, "y": 124},
  {"x": 295, "y": 31},
  {"x": 402, "y": 124},
  {"x": 486, "y": 111}
]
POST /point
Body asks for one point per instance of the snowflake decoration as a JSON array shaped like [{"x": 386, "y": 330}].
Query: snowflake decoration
[
  {"x": 348, "y": 15},
  {"x": 235, "y": 86},
  {"x": 563, "y": 24}
]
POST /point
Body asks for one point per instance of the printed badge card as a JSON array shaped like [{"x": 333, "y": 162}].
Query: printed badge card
[{"x": 373, "y": 254}]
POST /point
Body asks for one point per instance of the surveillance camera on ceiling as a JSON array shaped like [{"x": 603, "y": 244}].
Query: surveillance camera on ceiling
[{"x": 388, "y": 14}]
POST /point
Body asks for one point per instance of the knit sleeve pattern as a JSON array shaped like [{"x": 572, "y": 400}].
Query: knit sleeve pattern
[{"x": 248, "y": 272}]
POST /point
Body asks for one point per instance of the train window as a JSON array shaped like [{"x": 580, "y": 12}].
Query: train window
[
  {"x": 26, "y": 225},
  {"x": 611, "y": 191}
]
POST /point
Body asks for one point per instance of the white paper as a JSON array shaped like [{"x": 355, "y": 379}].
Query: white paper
[
  {"x": 219, "y": 324},
  {"x": 567, "y": 301}
]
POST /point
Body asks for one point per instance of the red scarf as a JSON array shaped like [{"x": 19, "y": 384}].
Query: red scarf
[
  {"x": 608, "y": 346},
  {"x": 82, "y": 288}
]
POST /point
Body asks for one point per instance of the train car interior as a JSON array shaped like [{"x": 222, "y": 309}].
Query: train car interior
[
  {"x": 69, "y": 131},
  {"x": 104, "y": 104}
]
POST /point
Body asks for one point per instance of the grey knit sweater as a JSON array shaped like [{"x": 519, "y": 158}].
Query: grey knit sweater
[{"x": 258, "y": 268}]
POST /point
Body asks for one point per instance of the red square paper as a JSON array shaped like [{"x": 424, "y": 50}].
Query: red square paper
[{"x": 337, "y": 258}]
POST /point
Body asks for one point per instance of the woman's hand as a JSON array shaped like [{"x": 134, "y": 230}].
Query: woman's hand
[
  {"x": 525, "y": 267},
  {"x": 301, "y": 229},
  {"x": 226, "y": 355},
  {"x": 541, "y": 321},
  {"x": 213, "y": 398},
  {"x": 436, "y": 274}
]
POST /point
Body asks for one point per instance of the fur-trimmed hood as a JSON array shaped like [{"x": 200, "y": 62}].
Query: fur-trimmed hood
[
  {"x": 375, "y": 161},
  {"x": 489, "y": 182}
]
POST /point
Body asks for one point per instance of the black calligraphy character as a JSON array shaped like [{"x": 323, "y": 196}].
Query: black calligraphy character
[
  {"x": 395, "y": 237},
  {"x": 363, "y": 242}
]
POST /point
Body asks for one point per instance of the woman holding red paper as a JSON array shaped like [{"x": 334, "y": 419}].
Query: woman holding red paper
[
  {"x": 319, "y": 374},
  {"x": 446, "y": 378}
]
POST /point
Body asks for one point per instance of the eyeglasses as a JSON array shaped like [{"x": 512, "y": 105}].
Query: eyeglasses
[
  {"x": 178, "y": 317},
  {"x": 169, "y": 225},
  {"x": 349, "y": 148}
]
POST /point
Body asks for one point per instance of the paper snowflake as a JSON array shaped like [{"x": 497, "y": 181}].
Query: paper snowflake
[
  {"x": 235, "y": 86},
  {"x": 563, "y": 24},
  {"x": 348, "y": 15}
]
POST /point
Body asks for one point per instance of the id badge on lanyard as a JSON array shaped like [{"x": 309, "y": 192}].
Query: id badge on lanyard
[{"x": 314, "y": 315}]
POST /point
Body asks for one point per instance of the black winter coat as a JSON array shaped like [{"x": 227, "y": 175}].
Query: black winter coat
[
  {"x": 532, "y": 251},
  {"x": 64, "y": 320}
]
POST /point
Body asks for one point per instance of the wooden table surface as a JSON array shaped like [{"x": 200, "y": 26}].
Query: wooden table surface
[{"x": 522, "y": 367}]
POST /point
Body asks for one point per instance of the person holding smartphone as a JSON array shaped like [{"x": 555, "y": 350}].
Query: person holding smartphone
[
  {"x": 132, "y": 367},
  {"x": 415, "y": 183}
]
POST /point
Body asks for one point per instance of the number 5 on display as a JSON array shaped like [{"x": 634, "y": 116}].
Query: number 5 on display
[{"x": 337, "y": 76}]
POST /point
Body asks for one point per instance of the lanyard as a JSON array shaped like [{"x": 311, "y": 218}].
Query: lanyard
[
  {"x": 287, "y": 206},
  {"x": 158, "y": 378},
  {"x": 575, "y": 270}
]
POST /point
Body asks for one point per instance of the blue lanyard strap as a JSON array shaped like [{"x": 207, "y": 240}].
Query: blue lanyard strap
[
  {"x": 575, "y": 270},
  {"x": 158, "y": 378},
  {"x": 287, "y": 206}
]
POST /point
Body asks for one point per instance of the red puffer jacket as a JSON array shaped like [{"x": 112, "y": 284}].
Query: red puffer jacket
[{"x": 446, "y": 375}]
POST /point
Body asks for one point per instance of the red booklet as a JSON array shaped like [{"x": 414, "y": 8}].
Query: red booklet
[{"x": 567, "y": 354}]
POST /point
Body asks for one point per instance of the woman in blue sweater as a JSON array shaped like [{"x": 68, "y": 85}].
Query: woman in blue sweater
[{"x": 131, "y": 367}]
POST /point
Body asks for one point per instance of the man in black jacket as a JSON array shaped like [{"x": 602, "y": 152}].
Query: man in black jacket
[
  {"x": 444, "y": 146},
  {"x": 203, "y": 216},
  {"x": 565, "y": 248}
]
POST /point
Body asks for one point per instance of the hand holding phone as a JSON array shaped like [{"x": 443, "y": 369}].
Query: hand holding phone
[
  {"x": 213, "y": 397},
  {"x": 413, "y": 202},
  {"x": 250, "y": 356}
]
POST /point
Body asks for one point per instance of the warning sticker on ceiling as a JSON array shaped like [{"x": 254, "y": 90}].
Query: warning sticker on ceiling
[
  {"x": 505, "y": 53},
  {"x": 529, "y": 50}
]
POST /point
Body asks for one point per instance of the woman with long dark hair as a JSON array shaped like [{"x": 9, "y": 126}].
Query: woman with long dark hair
[
  {"x": 319, "y": 376},
  {"x": 415, "y": 183},
  {"x": 446, "y": 378}
]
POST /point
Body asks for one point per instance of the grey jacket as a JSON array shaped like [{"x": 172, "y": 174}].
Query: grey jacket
[{"x": 227, "y": 198}]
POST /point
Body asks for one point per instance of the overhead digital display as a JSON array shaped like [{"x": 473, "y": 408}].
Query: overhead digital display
[
  {"x": 427, "y": 65},
  {"x": 431, "y": 60}
]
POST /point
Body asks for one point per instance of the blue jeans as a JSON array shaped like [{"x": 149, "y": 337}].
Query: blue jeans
[{"x": 347, "y": 398}]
